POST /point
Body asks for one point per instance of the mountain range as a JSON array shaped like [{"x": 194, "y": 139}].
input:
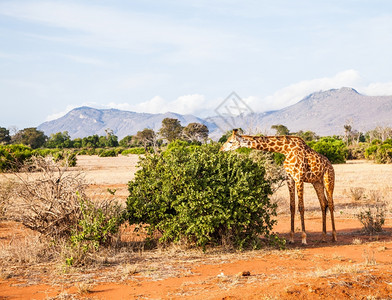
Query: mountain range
[{"x": 324, "y": 112}]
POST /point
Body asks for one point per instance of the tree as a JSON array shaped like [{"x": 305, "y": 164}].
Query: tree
[
  {"x": 59, "y": 140},
  {"x": 30, "y": 137},
  {"x": 307, "y": 136},
  {"x": 147, "y": 137},
  {"x": 5, "y": 137},
  {"x": 111, "y": 139},
  {"x": 91, "y": 141},
  {"x": 281, "y": 129},
  {"x": 171, "y": 129},
  {"x": 127, "y": 141},
  {"x": 195, "y": 132}
]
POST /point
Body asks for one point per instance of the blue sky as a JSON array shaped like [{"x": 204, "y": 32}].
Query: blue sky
[{"x": 186, "y": 56}]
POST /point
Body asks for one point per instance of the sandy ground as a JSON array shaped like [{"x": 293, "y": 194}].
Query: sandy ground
[{"x": 358, "y": 266}]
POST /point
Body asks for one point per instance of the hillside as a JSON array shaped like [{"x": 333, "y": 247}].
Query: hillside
[
  {"x": 85, "y": 121},
  {"x": 327, "y": 112},
  {"x": 324, "y": 112}
]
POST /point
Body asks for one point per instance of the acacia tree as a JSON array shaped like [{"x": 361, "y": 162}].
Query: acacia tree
[
  {"x": 195, "y": 132},
  {"x": 147, "y": 137},
  {"x": 281, "y": 129},
  {"x": 171, "y": 129},
  {"x": 31, "y": 137}
]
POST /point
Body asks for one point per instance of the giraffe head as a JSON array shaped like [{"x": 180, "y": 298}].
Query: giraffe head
[{"x": 233, "y": 142}]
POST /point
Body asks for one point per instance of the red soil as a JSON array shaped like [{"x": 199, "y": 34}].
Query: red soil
[{"x": 357, "y": 266}]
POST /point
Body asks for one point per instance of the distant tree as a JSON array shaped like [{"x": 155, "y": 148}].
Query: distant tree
[
  {"x": 30, "y": 137},
  {"x": 91, "y": 141},
  {"x": 5, "y": 137},
  {"x": 59, "y": 140},
  {"x": 127, "y": 141},
  {"x": 280, "y": 129},
  {"x": 171, "y": 129},
  {"x": 195, "y": 132},
  {"x": 381, "y": 133},
  {"x": 307, "y": 135},
  {"x": 77, "y": 143},
  {"x": 111, "y": 138},
  {"x": 147, "y": 137}
]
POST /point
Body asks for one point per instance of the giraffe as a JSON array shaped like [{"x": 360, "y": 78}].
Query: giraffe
[{"x": 302, "y": 164}]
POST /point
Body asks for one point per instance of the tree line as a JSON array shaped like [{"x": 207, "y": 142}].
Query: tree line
[{"x": 171, "y": 130}]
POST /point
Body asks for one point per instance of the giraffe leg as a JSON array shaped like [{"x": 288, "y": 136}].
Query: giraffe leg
[
  {"x": 319, "y": 187},
  {"x": 291, "y": 186},
  {"x": 329, "y": 183},
  {"x": 301, "y": 208}
]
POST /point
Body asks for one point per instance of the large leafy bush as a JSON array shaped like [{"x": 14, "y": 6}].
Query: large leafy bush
[
  {"x": 203, "y": 196},
  {"x": 334, "y": 149}
]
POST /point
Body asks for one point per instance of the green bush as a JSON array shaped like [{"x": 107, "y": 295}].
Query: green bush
[
  {"x": 334, "y": 149},
  {"x": 138, "y": 150},
  {"x": 380, "y": 152},
  {"x": 203, "y": 196},
  {"x": 65, "y": 158},
  {"x": 107, "y": 153},
  {"x": 97, "y": 225},
  {"x": 13, "y": 156}
]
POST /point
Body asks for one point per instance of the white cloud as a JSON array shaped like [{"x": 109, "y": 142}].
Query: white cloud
[
  {"x": 377, "y": 89},
  {"x": 105, "y": 27},
  {"x": 57, "y": 115}
]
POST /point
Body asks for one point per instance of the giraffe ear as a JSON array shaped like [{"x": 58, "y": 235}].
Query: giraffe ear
[{"x": 235, "y": 131}]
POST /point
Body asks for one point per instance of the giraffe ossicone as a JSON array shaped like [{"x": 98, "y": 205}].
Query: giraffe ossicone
[{"x": 302, "y": 164}]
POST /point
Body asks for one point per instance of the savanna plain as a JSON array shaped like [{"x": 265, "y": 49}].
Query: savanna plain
[{"x": 357, "y": 266}]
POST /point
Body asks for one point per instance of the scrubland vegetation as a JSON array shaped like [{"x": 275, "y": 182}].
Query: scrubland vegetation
[{"x": 184, "y": 194}]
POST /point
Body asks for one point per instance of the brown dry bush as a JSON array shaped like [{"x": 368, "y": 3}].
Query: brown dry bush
[
  {"x": 5, "y": 191},
  {"x": 47, "y": 197}
]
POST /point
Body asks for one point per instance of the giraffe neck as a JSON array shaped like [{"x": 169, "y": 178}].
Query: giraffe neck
[{"x": 279, "y": 144}]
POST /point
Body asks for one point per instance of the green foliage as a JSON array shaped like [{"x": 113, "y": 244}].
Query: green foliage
[
  {"x": 13, "y": 156},
  {"x": 30, "y": 137},
  {"x": 334, "y": 149},
  {"x": 201, "y": 195},
  {"x": 59, "y": 140},
  {"x": 357, "y": 151},
  {"x": 307, "y": 136},
  {"x": 281, "y": 129},
  {"x": 139, "y": 150},
  {"x": 5, "y": 137},
  {"x": 127, "y": 141},
  {"x": 195, "y": 132},
  {"x": 171, "y": 129},
  {"x": 97, "y": 225},
  {"x": 108, "y": 153},
  {"x": 380, "y": 152},
  {"x": 65, "y": 158}
]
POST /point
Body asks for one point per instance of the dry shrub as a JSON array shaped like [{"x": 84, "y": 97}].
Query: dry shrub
[
  {"x": 372, "y": 218},
  {"x": 5, "y": 191},
  {"x": 357, "y": 193},
  {"x": 46, "y": 198}
]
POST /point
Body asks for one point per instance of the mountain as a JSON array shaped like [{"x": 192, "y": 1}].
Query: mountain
[
  {"x": 85, "y": 121},
  {"x": 324, "y": 112},
  {"x": 327, "y": 112}
]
